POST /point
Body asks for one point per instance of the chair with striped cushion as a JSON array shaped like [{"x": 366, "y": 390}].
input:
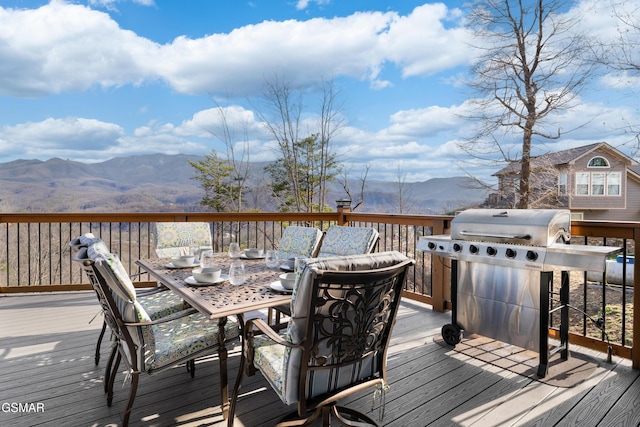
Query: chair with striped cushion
[
  {"x": 143, "y": 344},
  {"x": 175, "y": 238},
  {"x": 157, "y": 302},
  {"x": 342, "y": 313},
  {"x": 342, "y": 240}
]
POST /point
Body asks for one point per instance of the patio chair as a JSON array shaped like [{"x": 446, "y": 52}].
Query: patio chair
[
  {"x": 296, "y": 241},
  {"x": 338, "y": 241},
  {"x": 299, "y": 241},
  {"x": 342, "y": 313},
  {"x": 342, "y": 240},
  {"x": 157, "y": 302},
  {"x": 175, "y": 238},
  {"x": 143, "y": 344}
]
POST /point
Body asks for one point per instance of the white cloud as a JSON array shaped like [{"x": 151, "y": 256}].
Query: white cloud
[
  {"x": 303, "y": 4},
  {"x": 65, "y": 47},
  {"x": 232, "y": 122},
  {"x": 68, "y": 47},
  {"x": 421, "y": 45},
  {"x": 59, "y": 137}
]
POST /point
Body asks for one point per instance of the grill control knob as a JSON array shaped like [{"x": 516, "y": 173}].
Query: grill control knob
[
  {"x": 532, "y": 256},
  {"x": 431, "y": 245},
  {"x": 491, "y": 251},
  {"x": 457, "y": 247},
  {"x": 510, "y": 253},
  {"x": 474, "y": 249}
]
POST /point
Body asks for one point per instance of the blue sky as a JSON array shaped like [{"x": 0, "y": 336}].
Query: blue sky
[{"x": 97, "y": 79}]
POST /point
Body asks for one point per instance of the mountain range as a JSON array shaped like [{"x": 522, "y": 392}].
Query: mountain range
[{"x": 164, "y": 183}]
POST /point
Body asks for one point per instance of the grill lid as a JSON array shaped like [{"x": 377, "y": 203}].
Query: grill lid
[
  {"x": 531, "y": 239},
  {"x": 534, "y": 227}
]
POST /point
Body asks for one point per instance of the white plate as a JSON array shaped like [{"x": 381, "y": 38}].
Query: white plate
[
  {"x": 253, "y": 257},
  {"x": 193, "y": 282},
  {"x": 170, "y": 265},
  {"x": 277, "y": 286}
]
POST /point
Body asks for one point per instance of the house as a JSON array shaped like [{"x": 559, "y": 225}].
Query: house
[{"x": 596, "y": 182}]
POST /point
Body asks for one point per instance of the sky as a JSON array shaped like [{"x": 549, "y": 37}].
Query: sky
[{"x": 97, "y": 79}]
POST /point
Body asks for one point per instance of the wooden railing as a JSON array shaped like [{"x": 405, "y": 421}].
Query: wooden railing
[{"x": 35, "y": 257}]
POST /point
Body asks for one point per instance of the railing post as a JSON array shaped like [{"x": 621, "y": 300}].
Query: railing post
[
  {"x": 635, "y": 349},
  {"x": 343, "y": 207},
  {"x": 440, "y": 281}
]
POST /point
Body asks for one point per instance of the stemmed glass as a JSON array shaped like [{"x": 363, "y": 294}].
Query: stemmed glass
[
  {"x": 234, "y": 250},
  {"x": 237, "y": 275}
]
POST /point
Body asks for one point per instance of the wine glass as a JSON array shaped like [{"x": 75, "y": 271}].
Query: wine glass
[
  {"x": 234, "y": 250},
  {"x": 236, "y": 273}
]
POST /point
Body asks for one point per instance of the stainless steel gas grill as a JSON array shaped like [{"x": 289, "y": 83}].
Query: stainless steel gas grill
[{"x": 502, "y": 275}]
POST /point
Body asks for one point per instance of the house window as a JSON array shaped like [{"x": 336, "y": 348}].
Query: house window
[
  {"x": 577, "y": 216},
  {"x": 598, "y": 162},
  {"x": 613, "y": 183},
  {"x": 562, "y": 184},
  {"x": 597, "y": 184},
  {"x": 582, "y": 183}
]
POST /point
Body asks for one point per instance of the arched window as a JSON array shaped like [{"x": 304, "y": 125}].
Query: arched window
[{"x": 598, "y": 162}]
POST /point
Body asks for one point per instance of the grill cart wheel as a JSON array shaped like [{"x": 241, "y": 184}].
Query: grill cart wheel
[{"x": 452, "y": 334}]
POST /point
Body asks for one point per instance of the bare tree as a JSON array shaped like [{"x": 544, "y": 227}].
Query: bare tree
[
  {"x": 331, "y": 122},
  {"x": 306, "y": 162},
  {"x": 225, "y": 179},
  {"x": 622, "y": 54},
  {"x": 358, "y": 197},
  {"x": 532, "y": 62},
  {"x": 282, "y": 116},
  {"x": 404, "y": 192}
]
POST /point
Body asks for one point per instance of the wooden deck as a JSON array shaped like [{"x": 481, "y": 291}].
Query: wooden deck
[{"x": 46, "y": 358}]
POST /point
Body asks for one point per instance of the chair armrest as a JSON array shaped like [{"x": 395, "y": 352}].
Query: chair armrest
[
  {"x": 174, "y": 316},
  {"x": 150, "y": 291},
  {"x": 264, "y": 327}
]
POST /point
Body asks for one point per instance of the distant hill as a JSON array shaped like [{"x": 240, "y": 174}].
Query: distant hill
[{"x": 161, "y": 183}]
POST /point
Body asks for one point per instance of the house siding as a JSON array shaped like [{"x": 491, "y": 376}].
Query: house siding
[
  {"x": 625, "y": 207},
  {"x": 631, "y": 213},
  {"x": 604, "y": 202}
]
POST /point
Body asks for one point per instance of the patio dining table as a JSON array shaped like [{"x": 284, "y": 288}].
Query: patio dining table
[{"x": 220, "y": 300}]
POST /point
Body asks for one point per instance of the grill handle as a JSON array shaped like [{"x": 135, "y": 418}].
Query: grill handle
[{"x": 497, "y": 235}]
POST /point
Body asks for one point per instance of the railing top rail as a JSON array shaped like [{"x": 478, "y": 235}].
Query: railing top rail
[
  {"x": 59, "y": 217},
  {"x": 578, "y": 228}
]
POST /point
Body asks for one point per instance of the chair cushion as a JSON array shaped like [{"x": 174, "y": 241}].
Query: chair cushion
[
  {"x": 85, "y": 240},
  {"x": 299, "y": 241},
  {"x": 122, "y": 284},
  {"x": 269, "y": 357},
  {"x": 162, "y": 303},
  {"x": 272, "y": 360},
  {"x": 278, "y": 361},
  {"x": 155, "y": 304},
  {"x": 174, "y": 238},
  {"x": 168, "y": 343},
  {"x": 342, "y": 240}
]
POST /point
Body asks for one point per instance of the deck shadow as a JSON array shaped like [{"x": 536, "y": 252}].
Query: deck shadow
[{"x": 561, "y": 373}]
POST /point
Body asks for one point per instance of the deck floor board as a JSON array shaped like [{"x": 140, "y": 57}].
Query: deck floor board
[{"x": 46, "y": 357}]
